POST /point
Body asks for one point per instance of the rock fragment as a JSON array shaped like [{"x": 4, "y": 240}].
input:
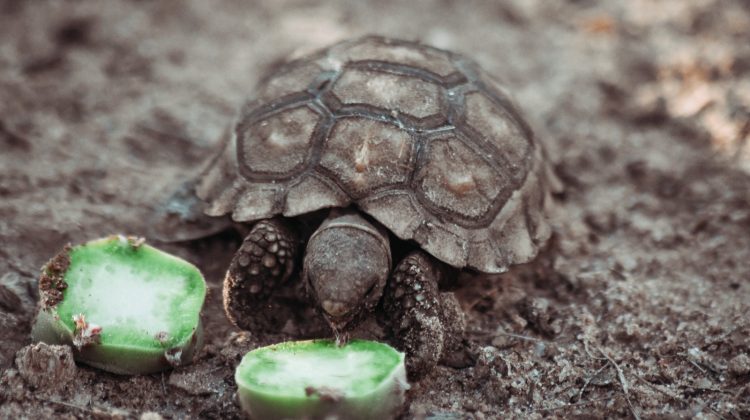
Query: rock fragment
[{"x": 46, "y": 366}]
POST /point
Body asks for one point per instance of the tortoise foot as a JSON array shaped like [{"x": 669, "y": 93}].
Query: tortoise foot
[
  {"x": 265, "y": 260},
  {"x": 423, "y": 322}
]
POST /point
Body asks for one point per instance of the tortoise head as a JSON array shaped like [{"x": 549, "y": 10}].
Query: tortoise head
[{"x": 346, "y": 266}]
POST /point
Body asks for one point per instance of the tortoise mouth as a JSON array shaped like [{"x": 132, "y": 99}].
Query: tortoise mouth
[
  {"x": 337, "y": 315},
  {"x": 335, "y": 310}
]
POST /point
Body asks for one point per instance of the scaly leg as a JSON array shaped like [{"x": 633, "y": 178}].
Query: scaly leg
[
  {"x": 422, "y": 321},
  {"x": 265, "y": 260}
]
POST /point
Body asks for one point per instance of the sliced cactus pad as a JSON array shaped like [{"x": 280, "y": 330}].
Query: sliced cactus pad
[
  {"x": 124, "y": 306},
  {"x": 318, "y": 379}
]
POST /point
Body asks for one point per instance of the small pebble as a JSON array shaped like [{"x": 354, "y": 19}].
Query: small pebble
[
  {"x": 150, "y": 415},
  {"x": 740, "y": 365}
]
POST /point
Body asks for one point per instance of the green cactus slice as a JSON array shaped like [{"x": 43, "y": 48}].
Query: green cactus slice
[
  {"x": 124, "y": 306},
  {"x": 318, "y": 379}
]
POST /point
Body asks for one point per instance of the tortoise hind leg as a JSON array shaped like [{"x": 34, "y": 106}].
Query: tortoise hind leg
[
  {"x": 265, "y": 260},
  {"x": 423, "y": 322}
]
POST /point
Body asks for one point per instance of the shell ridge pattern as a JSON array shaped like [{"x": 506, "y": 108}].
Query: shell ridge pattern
[
  {"x": 486, "y": 147},
  {"x": 498, "y": 160},
  {"x": 279, "y": 105},
  {"x": 477, "y": 222},
  {"x": 319, "y": 132},
  {"x": 453, "y": 79},
  {"x": 368, "y": 102},
  {"x": 455, "y": 82},
  {"x": 402, "y": 121},
  {"x": 507, "y": 106}
]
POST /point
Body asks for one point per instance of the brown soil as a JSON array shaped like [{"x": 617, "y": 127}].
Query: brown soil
[{"x": 638, "y": 308}]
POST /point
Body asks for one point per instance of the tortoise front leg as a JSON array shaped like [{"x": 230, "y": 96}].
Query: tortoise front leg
[
  {"x": 265, "y": 260},
  {"x": 423, "y": 322}
]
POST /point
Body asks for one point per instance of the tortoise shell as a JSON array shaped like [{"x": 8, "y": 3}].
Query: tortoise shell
[{"x": 417, "y": 137}]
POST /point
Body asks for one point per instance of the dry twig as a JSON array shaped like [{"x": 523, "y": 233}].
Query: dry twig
[
  {"x": 623, "y": 383},
  {"x": 588, "y": 381},
  {"x": 571, "y": 405},
  {"x": 674, "y": 397},
  {"x": 66, "y": 404}
]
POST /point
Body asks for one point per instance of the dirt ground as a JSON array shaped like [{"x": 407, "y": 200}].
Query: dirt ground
[{"x": 639, "y": 308}]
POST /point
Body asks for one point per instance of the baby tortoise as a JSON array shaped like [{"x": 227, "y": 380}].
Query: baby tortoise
[{"x": 417, "y": 153}]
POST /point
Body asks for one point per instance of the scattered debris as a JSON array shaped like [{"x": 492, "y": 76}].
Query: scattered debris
[
  {"x": 52, "y": 280},
  {"x": 174, "y": 356},
  {"x": 325, "y": 393},
  {"x": 85, "y": 333},
  {"x": 740, "y": 365},
  {"x": 46, "y": 366}
]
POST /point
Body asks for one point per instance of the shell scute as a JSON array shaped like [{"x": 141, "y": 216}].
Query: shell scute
[
  {"x": 500, "y": 132},
  {"x": 291, "y": 79},
  {"x": 312, "y": 193},
  {"x": 278, "y": 144},
  {"x": 398, "y": 210},
  {"x": 457, "y": 180},
  {"x": 406, "y": 95},
  {"x": 364, "y": 155}
]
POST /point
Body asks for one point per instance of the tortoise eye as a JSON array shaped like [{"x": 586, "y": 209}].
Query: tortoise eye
[{"x": 369, "y": 291}]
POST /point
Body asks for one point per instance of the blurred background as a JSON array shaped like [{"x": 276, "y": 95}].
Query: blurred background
[{"x": 644, "y": 107}]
